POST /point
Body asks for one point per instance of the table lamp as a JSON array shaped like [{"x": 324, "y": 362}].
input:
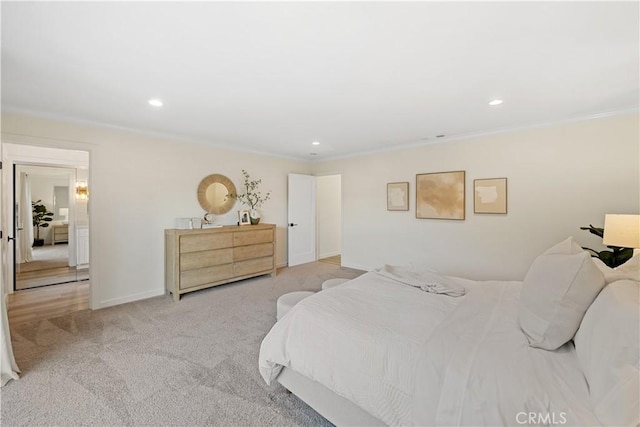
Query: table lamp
[
  {"x": 64, "y": 212},
  {"x": 622, "y": 231}
]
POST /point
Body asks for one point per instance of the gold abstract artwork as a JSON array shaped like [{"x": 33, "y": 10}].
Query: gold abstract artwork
[{"x": 440, "y": 195}]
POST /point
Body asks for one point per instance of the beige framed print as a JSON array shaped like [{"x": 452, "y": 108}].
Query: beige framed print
[
  {"x": 490, "y": 196},
  {"x": 243, "y": 217},
  {"x": 398, "y": 196},
  {"x": 440, "y": 195}
]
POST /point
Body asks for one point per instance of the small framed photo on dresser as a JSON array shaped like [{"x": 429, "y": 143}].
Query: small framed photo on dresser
[{"x": 243, "y": 217}]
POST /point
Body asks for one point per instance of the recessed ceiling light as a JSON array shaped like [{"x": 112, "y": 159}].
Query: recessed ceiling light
[
  {"x": 496, "y": 102},
  {"x": 315, "y": 143},
  {"x": 156, "y": 102}
]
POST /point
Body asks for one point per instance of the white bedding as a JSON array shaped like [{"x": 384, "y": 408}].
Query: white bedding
[{"x": 414, "y": 358}]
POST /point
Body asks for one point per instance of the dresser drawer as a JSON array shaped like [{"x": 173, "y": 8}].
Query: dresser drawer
[
  {"x": 203, "y": 276},
  {"x": 243, "y": 238},
  {"x": 201, "y": 259},
  {"x": 243, "y": 268},
  {"x": 242, "y": 253},
  {"x": 205, "y": 242},
  {"x": 61, "y": 231}
]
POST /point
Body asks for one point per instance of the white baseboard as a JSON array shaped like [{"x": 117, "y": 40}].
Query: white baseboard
[
  {"x": 355, "y": 266},
  {"x": 129, "y": 298}
]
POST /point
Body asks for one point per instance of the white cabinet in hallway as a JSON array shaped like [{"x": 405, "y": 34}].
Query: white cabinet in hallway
[{"x": 82, "y": 239}]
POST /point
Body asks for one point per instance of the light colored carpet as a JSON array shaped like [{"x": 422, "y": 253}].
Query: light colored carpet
[{"x": 161, "y": 363}]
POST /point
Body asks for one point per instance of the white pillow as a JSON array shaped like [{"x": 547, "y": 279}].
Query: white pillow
[
  {"x": 608, "y": 349},
  {"x": 559, "y": 287},
  {"x": 630, "y": 270}
]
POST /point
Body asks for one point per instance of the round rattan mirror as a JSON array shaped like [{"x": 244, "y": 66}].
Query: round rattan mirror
[{"x": 216, "y": 194}]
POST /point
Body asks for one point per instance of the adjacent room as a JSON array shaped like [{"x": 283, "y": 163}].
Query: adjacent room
[
  {"x": 44, "y": 204},
  {"x": 320, "y": 213}
]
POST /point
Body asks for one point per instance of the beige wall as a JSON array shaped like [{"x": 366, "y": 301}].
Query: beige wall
[
  {"x": 559, "y": 179},
  {"x": 139, "y": 185}
]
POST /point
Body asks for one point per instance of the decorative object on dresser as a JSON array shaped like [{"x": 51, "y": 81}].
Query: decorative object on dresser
[
  {"x": 59, "y": 233},
  {"x": 216, "y": 194},
  {"x": 398, "y": 196},
  {"x": 207, "y": 221},
  {"x": 252, "y": 197},
  {"x": 199, "y": 259},
  {"x": 490, "y": 196},
  {"x": 243, "y": 217}
]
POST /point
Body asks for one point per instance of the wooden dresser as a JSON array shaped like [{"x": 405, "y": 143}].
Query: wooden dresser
[
  {"x": 59, "y": 233},
  {"x": 199, "y": 259}
]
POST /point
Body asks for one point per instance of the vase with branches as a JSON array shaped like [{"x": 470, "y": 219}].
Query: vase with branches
[
  {"x": 41, "y": 218},
  {"x": 252, "y": 196}
]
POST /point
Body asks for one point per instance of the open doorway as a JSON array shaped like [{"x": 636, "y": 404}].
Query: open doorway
[
  {"x": 329, "y": 218},
  {"x": 48, "y": 217}
]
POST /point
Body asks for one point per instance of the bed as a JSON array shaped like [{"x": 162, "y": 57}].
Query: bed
[{"x": 375, "y": 351}]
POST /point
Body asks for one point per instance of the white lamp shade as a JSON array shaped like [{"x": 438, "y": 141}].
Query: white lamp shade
[
  {"x": 63, "y": 211},
  {"x": 622, "y": 231}
]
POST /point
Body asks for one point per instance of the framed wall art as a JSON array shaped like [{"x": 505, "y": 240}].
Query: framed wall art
[
  {"x": 398, "y": 196},
  {"x": 440, "y": 195},
  {"x": 490, "y": 196}
]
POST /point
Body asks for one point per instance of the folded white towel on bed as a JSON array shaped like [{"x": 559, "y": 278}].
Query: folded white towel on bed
[{"x": 428, "y": 281}]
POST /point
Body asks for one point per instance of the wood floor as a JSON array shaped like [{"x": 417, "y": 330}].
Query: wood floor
[
  {"x": 47, "y": 302},
  {"x": 49, "y": 265},
  {"x": 50, "y": 276},
  {"x": 337, "y": 260}
]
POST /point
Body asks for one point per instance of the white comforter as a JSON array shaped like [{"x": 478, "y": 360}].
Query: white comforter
[{"x": 414, "y": 358}]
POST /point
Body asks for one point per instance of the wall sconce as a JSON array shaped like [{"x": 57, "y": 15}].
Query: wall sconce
[{"x": 82, "y": 191}]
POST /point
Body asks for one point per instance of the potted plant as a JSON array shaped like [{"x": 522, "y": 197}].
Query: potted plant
[
  {"x": 252, "y": 197},
  {"x": 41, "y": 218},
  {"x": 613, "y": 258}
]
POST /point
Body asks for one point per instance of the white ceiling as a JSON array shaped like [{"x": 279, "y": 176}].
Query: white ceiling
[{"x": 272, "y": 77}]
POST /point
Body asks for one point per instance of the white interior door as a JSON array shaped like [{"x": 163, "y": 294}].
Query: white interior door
[{"x": 302, "y": 219}]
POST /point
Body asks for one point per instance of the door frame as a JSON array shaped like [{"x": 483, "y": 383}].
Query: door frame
[
  {"x": 37, "y": 151},
  {"x": 317, "y": 229}
]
